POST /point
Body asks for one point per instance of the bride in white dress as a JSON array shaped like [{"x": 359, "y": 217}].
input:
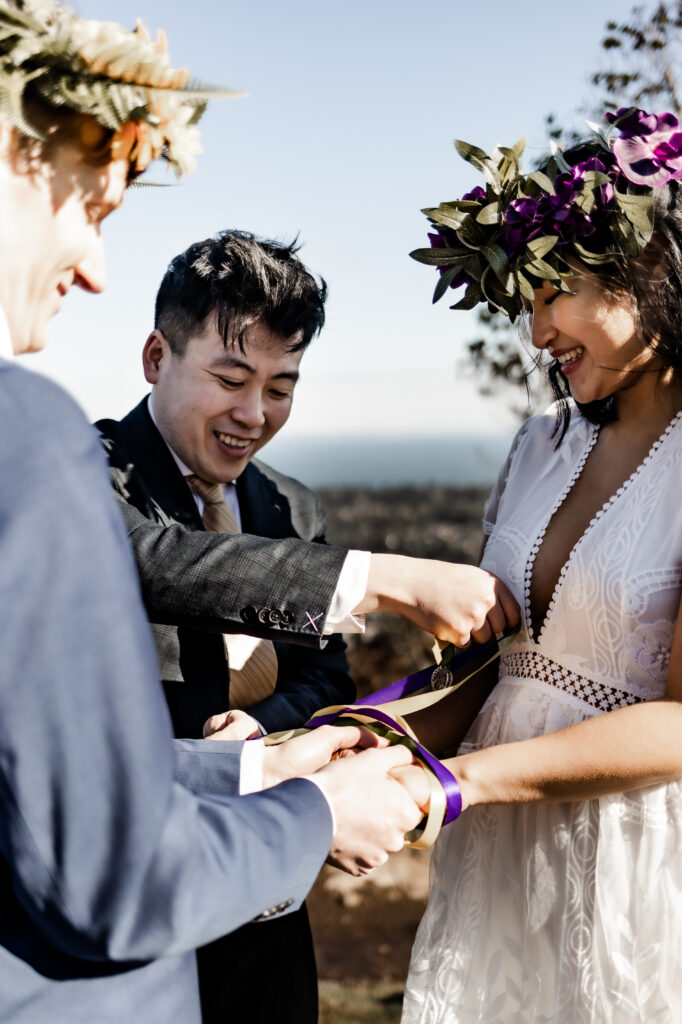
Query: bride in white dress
[{"x": 558, "y": 895}]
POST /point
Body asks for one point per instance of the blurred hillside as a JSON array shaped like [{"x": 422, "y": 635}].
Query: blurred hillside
[{"x": 426, "y": 522}]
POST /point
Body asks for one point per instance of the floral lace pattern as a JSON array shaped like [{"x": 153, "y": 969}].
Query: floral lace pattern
[{"x": 649, "y": 651}]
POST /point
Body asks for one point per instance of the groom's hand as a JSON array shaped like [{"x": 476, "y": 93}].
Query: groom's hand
[
  {"x": 372, "y": 810},
  {"x": 456, "y": 603},
  {"x": 304, "y": 755}
]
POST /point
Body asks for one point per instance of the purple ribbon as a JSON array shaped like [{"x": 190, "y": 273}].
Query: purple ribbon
[{"x": 404, "y": 688}]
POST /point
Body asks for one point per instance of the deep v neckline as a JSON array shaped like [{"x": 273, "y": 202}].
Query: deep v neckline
[{"x": 599, "y": 514}]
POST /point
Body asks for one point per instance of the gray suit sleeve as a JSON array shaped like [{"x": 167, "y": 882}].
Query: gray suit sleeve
[
  {"x": 208, "y": 766},
  {"x": 107, "y": 854},
  {"x": 307, "y": 678},
  {"x": 279, "y": 589}
]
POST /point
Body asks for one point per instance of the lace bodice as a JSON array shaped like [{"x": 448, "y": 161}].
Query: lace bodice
[{"x": 613, "y": 610}]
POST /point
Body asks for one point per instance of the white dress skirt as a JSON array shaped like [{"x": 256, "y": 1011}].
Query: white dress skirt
[{"x": 569, "y": 913}]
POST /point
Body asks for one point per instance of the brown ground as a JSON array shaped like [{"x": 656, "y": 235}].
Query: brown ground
[{"x": 363, "y": 929}]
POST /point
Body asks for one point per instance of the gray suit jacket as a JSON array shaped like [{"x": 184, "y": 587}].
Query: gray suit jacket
[
  {"x": 111, "y": 869},
  {"x": 193, "y": 664}
]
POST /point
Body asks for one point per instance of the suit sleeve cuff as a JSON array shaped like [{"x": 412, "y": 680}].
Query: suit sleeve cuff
[{"x": 316, "y": 782}]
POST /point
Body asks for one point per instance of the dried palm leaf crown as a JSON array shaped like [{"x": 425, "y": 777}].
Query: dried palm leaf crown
[
  {"x": 504, "y": 240},
  {"x": 121, "y": 78}
]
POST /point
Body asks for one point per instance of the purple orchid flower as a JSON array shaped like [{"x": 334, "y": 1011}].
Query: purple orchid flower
[
  {"x": 538, "y": 216},
  {"x": 477, "y": 195},
  {"x": 649, "y": 149}
]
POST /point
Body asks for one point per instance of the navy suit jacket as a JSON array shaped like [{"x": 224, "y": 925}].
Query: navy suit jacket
[
  {"x": 112, "y": 870},
  {"x": 193, "y": 663}
]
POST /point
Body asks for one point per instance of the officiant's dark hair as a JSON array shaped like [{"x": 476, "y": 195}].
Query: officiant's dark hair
[{"x": 241, "y": 279}]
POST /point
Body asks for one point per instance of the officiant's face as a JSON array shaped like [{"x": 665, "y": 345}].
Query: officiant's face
[{"x": 217, "y": 406}]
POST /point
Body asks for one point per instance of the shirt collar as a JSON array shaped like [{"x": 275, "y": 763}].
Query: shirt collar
[{"x": 185, "y": 470}]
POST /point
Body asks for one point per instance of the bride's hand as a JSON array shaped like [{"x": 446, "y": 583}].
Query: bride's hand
[{"x": 414, "y": 779}]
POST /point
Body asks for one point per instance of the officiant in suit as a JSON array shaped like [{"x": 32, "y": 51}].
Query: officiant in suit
[{"x": 185, "y": 455}]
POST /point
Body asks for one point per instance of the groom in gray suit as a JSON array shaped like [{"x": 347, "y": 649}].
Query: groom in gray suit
[
  {"x": 120, "y": 853},
  {"x": 217, "y": 399}
]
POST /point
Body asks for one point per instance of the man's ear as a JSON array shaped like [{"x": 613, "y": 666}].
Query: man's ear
[{"x": 155, "y": 350}]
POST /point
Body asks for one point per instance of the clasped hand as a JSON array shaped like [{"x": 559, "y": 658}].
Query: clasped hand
[{"x": 372, "y": 808}]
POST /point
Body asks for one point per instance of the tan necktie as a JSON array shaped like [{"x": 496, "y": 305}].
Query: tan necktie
[{"x": 253, "y": 662}]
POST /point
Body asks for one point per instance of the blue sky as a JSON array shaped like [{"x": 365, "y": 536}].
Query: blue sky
[{"x": 345, "y": 135}]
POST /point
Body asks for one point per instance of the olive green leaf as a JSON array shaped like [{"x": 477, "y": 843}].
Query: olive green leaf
[
  {"x": 543, "y": 182},
  {"x": 539, "y": 247},
  {"x": 543, "y": 270},
  {"x": 480, "y": 160},
  {"x": 499, "y": 261},
  {"x": 559, "y": 159},
  {"x": 489, "y": 214},
  {"x": 525, "y": 287},
  {"x": 447, "y": 218},
  {"x": 472, "y": 296},
  {"x": 444, "y": 282},
  {"x": 591, "y": 258}
]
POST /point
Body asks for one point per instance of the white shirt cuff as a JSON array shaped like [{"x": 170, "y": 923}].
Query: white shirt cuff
[
  {"x": 349, "y": 592},
  {"x": 251, "y": 773}
]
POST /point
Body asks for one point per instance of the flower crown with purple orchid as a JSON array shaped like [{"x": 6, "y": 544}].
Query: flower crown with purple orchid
[{"x": 505, "y": 240}]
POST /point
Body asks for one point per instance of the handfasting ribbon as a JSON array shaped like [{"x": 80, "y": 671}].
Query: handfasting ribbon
[{"x": 385, "y": 708}]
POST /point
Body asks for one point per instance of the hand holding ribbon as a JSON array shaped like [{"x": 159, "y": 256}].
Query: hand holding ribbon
[{"x": 384, "y": 712}]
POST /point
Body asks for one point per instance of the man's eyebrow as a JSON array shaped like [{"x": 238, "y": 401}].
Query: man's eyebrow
[
  {"x": 228, "y": 360},
  {"x": 231, "y": 361},
  {"x": 286, "y": 375}
]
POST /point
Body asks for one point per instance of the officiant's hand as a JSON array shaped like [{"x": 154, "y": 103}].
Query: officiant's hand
[{"x": 457, "y": 603}]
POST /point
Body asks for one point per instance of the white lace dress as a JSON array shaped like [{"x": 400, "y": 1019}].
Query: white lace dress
[{"x": 567, "y": 913}]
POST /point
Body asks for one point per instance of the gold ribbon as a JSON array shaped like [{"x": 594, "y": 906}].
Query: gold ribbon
[{"x": 425, "y": 834}]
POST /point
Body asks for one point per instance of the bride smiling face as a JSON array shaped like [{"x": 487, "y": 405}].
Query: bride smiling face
[{"x": 594, "y": 336}]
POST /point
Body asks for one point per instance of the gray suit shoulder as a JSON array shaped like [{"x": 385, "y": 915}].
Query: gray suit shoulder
[{"x": 35, "y": 401}]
